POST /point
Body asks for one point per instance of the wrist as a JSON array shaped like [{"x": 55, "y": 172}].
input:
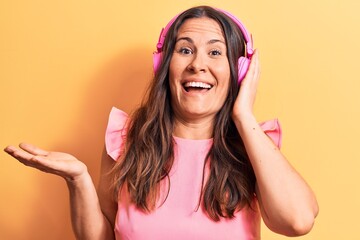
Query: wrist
[
  {"x": 78, "y": 180},
  {"x": 246, "y": 124},
  {"x": 244, "y": 119}
]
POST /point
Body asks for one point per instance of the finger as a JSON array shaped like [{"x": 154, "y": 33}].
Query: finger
[
  {"x": 18, "y": 153},
  {"x": 254, "y": 65},
  {"x": 257, "y": 66},
  {"x": 33, "y": 149},
  {"x": 254, "y": 61},
  {"x": 9, "y": 149},
  {"x": 252, "y": 77},
  {"x": 25, "y": 157}
]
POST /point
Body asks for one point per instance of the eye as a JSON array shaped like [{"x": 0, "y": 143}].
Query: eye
[
  {"x": 215, "y": 52},
  {"x": 185, "y": 51}
]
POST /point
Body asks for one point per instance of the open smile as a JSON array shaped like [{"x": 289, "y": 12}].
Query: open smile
[{"x": 197, "y": 86}]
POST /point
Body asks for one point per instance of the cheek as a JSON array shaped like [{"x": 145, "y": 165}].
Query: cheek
[
  {"x": 224, "y": 94},
  {"x": 222, "y": 71},
  {"x": 224, "y": 86},
  {"x": 175, "y": 73},
  {"x": 173, "y": 70},
  {"x": 223, "y": 77},
  {"x": 173, "y": 82}
]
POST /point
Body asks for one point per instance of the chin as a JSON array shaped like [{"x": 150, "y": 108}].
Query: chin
[{"x": 199, "y": 112}]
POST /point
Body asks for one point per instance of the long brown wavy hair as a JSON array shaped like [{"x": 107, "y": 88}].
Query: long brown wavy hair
[{"x": 148, "y": 152}]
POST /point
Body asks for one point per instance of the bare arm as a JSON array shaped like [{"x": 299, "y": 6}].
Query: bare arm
[
  {"x": 287, "y": 203},
  {"x": 87, "y": 218},
  {"x": 106, "y": 197}
]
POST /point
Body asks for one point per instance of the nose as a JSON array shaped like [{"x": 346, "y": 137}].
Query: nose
[{"x": 197, "y": 63}]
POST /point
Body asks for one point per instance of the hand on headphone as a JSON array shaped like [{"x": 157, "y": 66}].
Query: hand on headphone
[{"x": 243, "y": 106}]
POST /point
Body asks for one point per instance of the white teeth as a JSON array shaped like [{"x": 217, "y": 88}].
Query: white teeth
[{"x": 197, "y": 84}]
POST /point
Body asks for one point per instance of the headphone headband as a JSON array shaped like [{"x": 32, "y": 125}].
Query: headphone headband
[
  {"x": 243, "y": 61},
  {"x": 246, "y": 34}
]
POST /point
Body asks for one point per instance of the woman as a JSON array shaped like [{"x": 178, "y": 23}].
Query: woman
[{"x": 192, "y": 162}]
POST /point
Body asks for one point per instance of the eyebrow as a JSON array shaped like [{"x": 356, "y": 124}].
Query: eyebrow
[{"x": 212, "y": 41}]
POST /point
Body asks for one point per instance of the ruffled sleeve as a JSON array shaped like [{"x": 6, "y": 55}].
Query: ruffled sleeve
[
  {"x": 115, "y": 133},
  {"x": 272, "y": 128}
]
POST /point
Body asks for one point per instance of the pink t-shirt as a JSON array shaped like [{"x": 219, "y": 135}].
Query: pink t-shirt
[{"x": 178, "y": 217}]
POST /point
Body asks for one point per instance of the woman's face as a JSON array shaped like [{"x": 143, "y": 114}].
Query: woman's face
[{"x": 199, "y": 70}]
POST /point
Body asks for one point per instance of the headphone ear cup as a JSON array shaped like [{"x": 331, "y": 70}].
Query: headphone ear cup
[
  {"x": 156, "y": 61},
  {"x": 243, "y": 66}
]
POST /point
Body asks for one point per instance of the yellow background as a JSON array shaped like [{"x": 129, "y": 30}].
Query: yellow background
[{"x": 63, "y": 64}]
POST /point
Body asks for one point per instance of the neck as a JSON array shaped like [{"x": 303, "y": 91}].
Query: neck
[{"x": 193, "y": 130}]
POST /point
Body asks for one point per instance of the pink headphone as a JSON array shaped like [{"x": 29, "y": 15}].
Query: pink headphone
[{"x": 243, "y": 62}]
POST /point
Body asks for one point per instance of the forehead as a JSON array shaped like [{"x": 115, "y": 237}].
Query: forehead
[{"x": 203, "y": 26}]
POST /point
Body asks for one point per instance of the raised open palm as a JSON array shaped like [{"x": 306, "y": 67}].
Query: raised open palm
[{"x": 58, "y": 163}]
